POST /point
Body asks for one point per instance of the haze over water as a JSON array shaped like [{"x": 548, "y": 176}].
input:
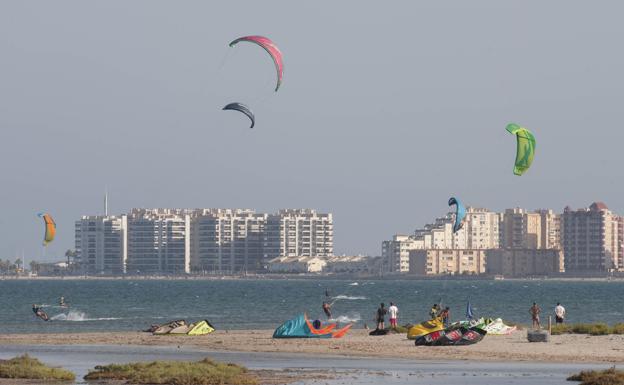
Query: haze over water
[{"x": 130, "y": 305}]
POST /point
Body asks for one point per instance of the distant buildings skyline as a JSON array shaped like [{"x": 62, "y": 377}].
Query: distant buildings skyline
[
  {"x": 515, "y": 242},
  {"x": 181, "y": 241},
  {"x": 230, "y": 241}
]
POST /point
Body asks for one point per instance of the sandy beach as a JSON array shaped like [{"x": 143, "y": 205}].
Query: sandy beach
[{"x": 357, "y": 343}]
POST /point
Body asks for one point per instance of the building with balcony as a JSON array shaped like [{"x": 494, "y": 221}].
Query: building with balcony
[
  {"x": 228, "y": 240},
  {"x": 101, "y": 244},
  {"x": 592, "y": 239},
  {"x": 159, "y": 241},
  {"x": 299, "y": 233},
  {"x": 447, "y": 262}
]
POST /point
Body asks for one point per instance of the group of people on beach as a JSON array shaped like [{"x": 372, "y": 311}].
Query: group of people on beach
[
  {"x": 437, "y": 311},
  {"x": 535, "y": 312},
  {"x": 380, "y": 316}
]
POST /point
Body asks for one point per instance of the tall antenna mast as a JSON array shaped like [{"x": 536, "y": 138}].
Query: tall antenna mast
[{"x": 105, "y": 201}]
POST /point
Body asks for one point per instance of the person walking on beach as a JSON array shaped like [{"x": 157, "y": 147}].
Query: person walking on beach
[
  {"x": 393, "y": 312},
  {"x": 559, "y": 313},
  {"x": 433, "y": 313},
  {"x": 446, "y": 316},
  {"x": 381, "y": 317},
  {"x": 535, "y": 312}
]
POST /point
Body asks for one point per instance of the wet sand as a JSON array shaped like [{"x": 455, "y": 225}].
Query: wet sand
[{"x": 357, "y": 343}]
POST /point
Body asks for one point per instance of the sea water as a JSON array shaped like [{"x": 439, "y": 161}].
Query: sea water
[{"x": 111, "y": 305}]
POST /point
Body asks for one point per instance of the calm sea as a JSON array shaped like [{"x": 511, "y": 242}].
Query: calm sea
[{"x": 101, "y": 305}]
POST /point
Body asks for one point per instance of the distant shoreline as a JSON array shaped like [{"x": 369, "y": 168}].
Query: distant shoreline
[{"x": 404, "y": 277}]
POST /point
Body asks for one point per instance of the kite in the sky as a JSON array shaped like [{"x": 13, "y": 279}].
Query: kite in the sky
[
  {"x": 50, "y": 228},
  {"x": 460, "y": 213},
  {"x": 525, "y": 149},
  {"x": 271, "y": 48},
  {"x": 242, "y": 108}
]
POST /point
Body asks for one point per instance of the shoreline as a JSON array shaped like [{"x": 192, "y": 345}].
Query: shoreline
[
  {"x": 280, "y": 277},
  {"x": 357, "y": 343}
]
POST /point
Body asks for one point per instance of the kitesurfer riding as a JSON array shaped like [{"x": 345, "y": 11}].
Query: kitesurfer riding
[
  {"x": 327, "y": 309},
  {"x": 39, "y": 312},
  {"x": 62, "y": 302}
]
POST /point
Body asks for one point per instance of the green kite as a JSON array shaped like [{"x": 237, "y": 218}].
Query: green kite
[{"x": 526, "y": 148}]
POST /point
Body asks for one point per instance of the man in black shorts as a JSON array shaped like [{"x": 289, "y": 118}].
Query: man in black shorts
[{"x": 381, "y": 317}]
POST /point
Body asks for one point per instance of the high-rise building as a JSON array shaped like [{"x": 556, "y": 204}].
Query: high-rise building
[
  {"x": 550, "y": 223},
  {"x": 227, "y": 240},
  {"x": 481, "y": 229},
  {"x": 591, "y": 239},
  {"x": 159, "y": 241},
  {"x": 299, "y": 233},
  {"x": 101, "y": 244},
  {"x": 395, "y": 253},
  {"x": 521, "y": 229}
]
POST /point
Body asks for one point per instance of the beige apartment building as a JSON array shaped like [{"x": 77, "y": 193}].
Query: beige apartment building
[
  {"x": 396, "y": 252},
  {"x": 521, "y": 229},
  {"x": 524, "y": 262},
  {"x": 447, "y": 261},
  {"x": 592, "y": 239}
]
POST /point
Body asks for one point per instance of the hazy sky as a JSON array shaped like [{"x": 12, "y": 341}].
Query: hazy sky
[{"x": 386, "y": 110}]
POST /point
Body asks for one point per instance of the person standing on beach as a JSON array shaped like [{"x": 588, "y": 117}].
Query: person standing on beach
[
  {"x": 559, "y": 313},
  {"x": 393, "y": 312},
  {"x": 381, "y": 317},
  {"x": 446, "y": 316},
  {"x": 433, "y": 313},
  {"x": 535, "y": 312}
]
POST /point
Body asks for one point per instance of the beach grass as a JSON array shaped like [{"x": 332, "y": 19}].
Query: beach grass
[
  {"x": 204, "y": 372},
  {"x": 594, "y": 329},
  {"x": 26, "y": 367},
  {"x": 609, "y": 376}
]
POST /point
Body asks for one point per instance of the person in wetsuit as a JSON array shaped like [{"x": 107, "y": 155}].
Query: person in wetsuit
[
  {"x": 327, "y": 309},
  {"x": 39, "y": 312}
]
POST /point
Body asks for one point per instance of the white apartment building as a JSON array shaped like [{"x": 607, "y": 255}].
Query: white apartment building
[
  {"x": 299, "y": 233},
  {"x": 101, "y": 244},
  {"x": 159, "y": 241},
  {"x": 227, "y": 240}
]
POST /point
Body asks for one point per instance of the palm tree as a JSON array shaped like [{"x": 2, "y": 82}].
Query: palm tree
[
  {"x": 18, "y": 263},
  {"x": 34, "y": 267}
]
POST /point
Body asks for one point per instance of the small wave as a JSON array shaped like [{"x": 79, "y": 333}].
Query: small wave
[
  {"x": 78, "y": 316},
  {"x": 347, "y": 318},
  {"x": 349, "y": 297},
  {"x": 354, "y": 284}
]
